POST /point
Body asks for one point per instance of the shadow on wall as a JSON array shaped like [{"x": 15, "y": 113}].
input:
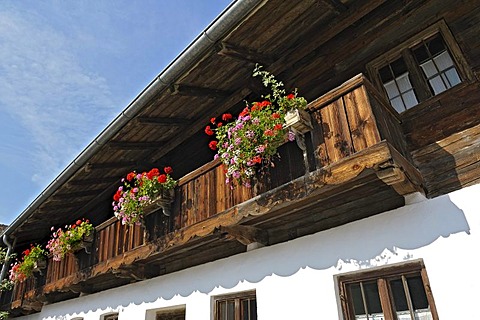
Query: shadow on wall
[{"x": 410, "y": 227}]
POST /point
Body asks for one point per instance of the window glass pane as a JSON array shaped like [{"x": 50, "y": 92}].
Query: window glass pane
[
  {"x": 437, "y": 85},
  {"x": 435, "y": 45},
  {"x": 391, "y": 89},
  {"x": 373, "y": 298},
  {"x": 404, "y": 83},
  {"x": 453, "y": 77},
  {"x": 443, "y": 61},
  {"x": 249, "y": 309},
  {"x": 399, "y": 67},
  {"x": 385, "y": 74},
  {"x": 429, "y": 69},
  {"x": 410, "y": 99},
  {"x": 356, "y": 293},
  {"x": 230, "y": 310},
  {"x": 398, "y": 105},
  {"x": 417, "y": 292},
  {"x": 421, "y": 54},
  {"x": 399, "y": 298}
]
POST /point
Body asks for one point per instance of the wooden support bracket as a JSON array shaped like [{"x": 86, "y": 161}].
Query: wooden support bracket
[
  {"x": 130, "y": 272},
  {"x": 245, "y": 234},
  {"x": 404, "y": 181}
]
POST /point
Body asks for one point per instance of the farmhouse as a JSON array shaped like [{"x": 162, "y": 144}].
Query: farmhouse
[{"x": 371, "y": 214}]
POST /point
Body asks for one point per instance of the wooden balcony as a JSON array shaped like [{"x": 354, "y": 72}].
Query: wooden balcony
[{"x": 355, "y": 165}]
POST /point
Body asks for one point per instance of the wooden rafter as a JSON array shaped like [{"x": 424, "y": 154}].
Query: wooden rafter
[
  {"x": 163, "y": 121},
  {"x": 186, "y": 90},
  {"x": 335, "y": 5},
  {"x": 93, "y": 181},
  {"x": 110, "y": 165},
  {"x": 135, "y": 145},
  {"x": 243, "y": 54},
  {"x": 79, "y": 194}
]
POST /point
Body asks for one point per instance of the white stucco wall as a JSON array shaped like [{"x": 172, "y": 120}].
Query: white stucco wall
[{"x": 295, "y": 280}]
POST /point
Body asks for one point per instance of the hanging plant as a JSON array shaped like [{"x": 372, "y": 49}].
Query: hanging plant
[
  {"x": 249, "y": 143},
  {"x": 140, "y": 190},
  {"x": 70, "y": 239},
  {"x": 32, "y": 260}
]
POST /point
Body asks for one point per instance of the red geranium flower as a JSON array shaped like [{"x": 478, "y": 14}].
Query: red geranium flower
[
  {"x": 130, "y": 176},
  {"x": 209, "y": 131},
  {"x": 278, "y": 126},
  {"x": 213, "y": 145},
  {"x": 275, "y": 115},
  {"x": 291, "y": 96},
  {"x": 168, "y": 170},
  {"x": 269, "y": 132},
  {"x": 162, "y": 178},
  {"x": 219, "y": 124},
  {"x": 153, "y": 173},
  {"x": 26, "y": 252},
  {"x": 244, "y": 112},
  {"x": 212, "y": 120},
  {"x": 79, "y": 222},
  {"x": 257, "y": 159},
  {"x": 226, "y": 116},
  {"x": 117, "y": 195}
]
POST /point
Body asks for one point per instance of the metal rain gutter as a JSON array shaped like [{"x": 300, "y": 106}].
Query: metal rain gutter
[
  {"x": 225, "y": 22},
  {"x": 7, "y": 256}
]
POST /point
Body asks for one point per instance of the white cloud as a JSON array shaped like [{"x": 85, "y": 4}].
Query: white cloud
[{"x": 44, "y": 87}]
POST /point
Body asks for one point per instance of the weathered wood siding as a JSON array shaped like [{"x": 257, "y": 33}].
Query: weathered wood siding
[{"x": 350, "y": 118}]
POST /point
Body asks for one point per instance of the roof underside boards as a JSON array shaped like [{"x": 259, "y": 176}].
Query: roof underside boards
[{"x": 298, "y": 41}]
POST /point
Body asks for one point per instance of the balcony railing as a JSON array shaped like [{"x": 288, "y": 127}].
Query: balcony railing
[{"x": 346, "y": 120}]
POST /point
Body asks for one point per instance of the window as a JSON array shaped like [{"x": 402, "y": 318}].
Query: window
[
  {"x": 420, "y": 68},
  {"x": 398, "y": 292},
  {"x": 176, "y": 314},
  {"x": 240, "y": 306},
  {"x": 113, "y": 316}
]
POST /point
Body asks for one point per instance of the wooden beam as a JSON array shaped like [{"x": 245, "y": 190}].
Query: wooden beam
[
  {"x": 186, "y": 90},
  {"x": 163, "y": 121},
  {"x": 93, "y": 181},
  {"x": 246, "y": 234},
  {"x": 110, "y": 165},
  {"x": 297, "y": 52},
  {"x": 243, "y": 54},
  {"x": 50, "y": 206},
  {"x": 79, "y": 194},
  {"x": 334, "y": 5},
  {"x": 131, "y": 272},
  {"x": 135, "y": 145}
]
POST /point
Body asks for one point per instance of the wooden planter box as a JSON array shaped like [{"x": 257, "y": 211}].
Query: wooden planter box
[{"x": 299, "y": 120}]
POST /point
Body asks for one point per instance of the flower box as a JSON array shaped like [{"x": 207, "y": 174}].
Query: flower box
[
  {"x": 85, "y": 243},
  {"x": 40, "y": 265},
  {"x": 163, "y": 200},
  {"x": 299, "y": 120}
]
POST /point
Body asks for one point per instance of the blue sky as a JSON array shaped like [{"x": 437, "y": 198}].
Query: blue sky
[{"x": 67, "y": 68}]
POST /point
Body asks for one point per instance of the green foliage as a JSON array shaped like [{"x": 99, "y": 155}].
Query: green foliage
[
  {"x": 68, "y": 240},
  {"x": 250, "y": 142},
  {"x": 24, "y": 268},
  {"x": 138, "y": 191}
]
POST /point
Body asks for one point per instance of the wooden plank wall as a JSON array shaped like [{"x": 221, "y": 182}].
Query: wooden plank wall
[
  {"x": 347, "y": 124},
  {"x": 206, "y": 193},
  {"x": 114, "y": 239},
  {"x": 59, "y": 269}
]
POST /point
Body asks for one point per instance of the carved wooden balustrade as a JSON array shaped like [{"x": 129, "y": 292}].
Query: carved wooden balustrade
[{"x": 353, "y": 120}]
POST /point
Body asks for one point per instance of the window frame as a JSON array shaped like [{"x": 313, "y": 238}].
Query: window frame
[
  {"x": 416, "y": 75},
  {"x": 110, "y": 316},
  {"x": 238, "y": 297},
  {"x": 382, "y": 275},
  {"x": 170, "y": 312}
]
